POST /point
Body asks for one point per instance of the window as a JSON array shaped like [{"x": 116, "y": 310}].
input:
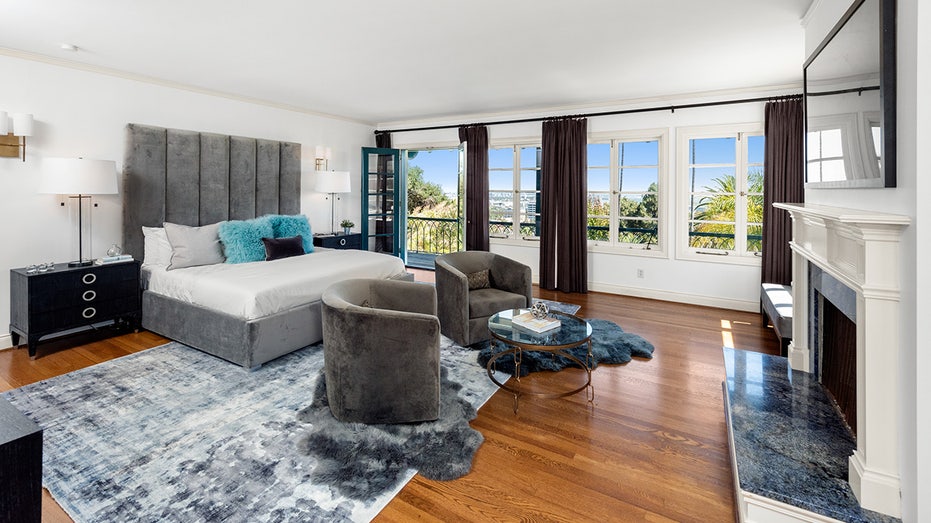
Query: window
[
  {"x": 721, "y": 171},
  {"x": 624, "y": 180},
  {"x": 514, "y": 191}
]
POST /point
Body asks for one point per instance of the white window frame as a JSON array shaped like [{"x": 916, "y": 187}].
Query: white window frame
[
  {"x": 738, "y": 255},
  {"x": 613, "y": 246},
  {"x": 516, "y": 144}
]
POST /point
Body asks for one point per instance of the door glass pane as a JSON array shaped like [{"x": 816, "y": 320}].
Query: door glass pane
[
  {"x": 638, "y": 179},
  {"x": 381, "y": 204},
  {"x": 638, "y": 153},
  {"x": 640, "y": 231},
  {"x": 380, "y": 183},
  {"x": 530, "y": 157},
  {"x": 599, "y": 155},
  {"x": 599, "y": 229},
  {"x": 711, "y": 235},
  {"x": 712, "y": 179},
  {"x": 501, "y": 158},
  {"x": 755, "y": 237},
  {"x": 713, "y": 150},
  {"x": 501, "y": 180}
]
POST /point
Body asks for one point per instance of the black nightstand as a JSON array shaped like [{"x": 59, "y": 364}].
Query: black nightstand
[
  {"x": 44, "y": 303},
  {"x": 339, "y": 241}
]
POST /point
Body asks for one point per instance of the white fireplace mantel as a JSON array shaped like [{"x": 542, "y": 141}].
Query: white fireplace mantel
[{"x": 861, "y": 249}]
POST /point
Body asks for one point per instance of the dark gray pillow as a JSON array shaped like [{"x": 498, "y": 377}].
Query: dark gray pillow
[
  {"x": 192, "y": 246},
  {"x": 277, "y": 248},
  {"x": 478, "y": 280}
]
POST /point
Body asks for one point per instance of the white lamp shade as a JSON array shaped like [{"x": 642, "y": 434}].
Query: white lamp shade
[
  {"x": 4, "y": 124},
  {"x": 22, "y": 124},
  {"x": 78, "y": 176},
  {"x": 333, "y": 181}
]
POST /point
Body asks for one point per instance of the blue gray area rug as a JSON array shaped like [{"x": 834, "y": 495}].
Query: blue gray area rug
[
  {"x": 174, "y": 434},
  {"x": 610, "y": 345}
]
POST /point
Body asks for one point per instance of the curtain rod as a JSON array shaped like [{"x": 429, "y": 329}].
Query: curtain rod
[{"x": 671, "y": 108}]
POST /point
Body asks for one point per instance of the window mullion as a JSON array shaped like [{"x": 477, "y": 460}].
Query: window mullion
[
  {"x": 613, "y": 219},
  {"x": 740, "y": 200}
]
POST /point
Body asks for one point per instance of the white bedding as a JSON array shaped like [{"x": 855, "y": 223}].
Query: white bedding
[{"x": 257, "y": 289}]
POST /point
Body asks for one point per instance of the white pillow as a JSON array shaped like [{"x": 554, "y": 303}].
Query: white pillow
[
  {"x": 192, "y": 246},
  {"x": 157, "y": 249}
]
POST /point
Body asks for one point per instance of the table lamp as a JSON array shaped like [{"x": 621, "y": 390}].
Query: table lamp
[
  {"x": 333, "y": 182},
  {"x": 78, "y": 178}
]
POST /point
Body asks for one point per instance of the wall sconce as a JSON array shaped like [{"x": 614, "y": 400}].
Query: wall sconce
[
  {"x": 322, "y": 158},
  {"x": 11, "y": 129}
]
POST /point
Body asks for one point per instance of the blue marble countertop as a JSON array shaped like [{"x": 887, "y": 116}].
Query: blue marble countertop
[{"x": 791, "y": 443}]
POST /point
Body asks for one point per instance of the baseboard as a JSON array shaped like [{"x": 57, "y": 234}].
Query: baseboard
[
  {"x": 6, "y": 341},
  {"x": 678, "y": 297}
]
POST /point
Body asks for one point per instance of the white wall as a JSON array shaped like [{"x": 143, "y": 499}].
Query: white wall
[
  {"x": 709, "y": 283},
  {"x": 81, "y": 113},
  {"x": 913, "y": 157}
]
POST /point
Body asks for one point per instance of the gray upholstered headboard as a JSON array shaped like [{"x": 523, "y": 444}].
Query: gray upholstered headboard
[{"x": 192, "y": 178}]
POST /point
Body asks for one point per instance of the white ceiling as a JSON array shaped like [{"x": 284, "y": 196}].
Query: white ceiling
[{"x": 399, "y": 60}]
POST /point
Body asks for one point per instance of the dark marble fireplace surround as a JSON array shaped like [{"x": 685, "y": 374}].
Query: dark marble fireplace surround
[{"x": 822, "y": 286}]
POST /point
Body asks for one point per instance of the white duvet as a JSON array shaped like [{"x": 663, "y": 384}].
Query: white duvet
[{"x": 257, "y": 289}]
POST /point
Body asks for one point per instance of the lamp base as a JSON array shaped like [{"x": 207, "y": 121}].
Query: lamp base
[{"x": 80, "y": 263}]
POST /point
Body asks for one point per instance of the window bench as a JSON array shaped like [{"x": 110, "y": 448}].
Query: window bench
[{"x": 777, "y": 305}]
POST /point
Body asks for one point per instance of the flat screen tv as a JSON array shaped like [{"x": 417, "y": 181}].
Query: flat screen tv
[{"x": 850, "y": 101}]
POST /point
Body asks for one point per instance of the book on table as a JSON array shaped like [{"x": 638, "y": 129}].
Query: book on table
[{"x": 527, "y": 321}]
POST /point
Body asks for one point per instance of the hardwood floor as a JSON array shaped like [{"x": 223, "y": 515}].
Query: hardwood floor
[{"x": 652, "y": 447}]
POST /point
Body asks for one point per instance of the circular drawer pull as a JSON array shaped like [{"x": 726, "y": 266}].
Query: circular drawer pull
[
  {"x": 342, "y": 242},
  {"x": 89, "y": 295},
  {"x": 89, "y": 312},
  {"x": 89, "y": 278}
]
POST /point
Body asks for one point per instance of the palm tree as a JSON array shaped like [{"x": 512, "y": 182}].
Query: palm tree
[{"x": 721, "y": 206}]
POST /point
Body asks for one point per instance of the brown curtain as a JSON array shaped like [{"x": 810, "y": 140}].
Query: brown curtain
[
  {"x": 564, "y": 188},
  {"x": 476, "y": 226},
  {"x": 383, "y": 140},
  {"x": 784, "y": 181}
]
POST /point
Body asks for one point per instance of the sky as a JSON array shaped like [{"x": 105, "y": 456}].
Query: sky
[
  {"x": 442, "y": 165},
  {"x": 439, "y": 166}
]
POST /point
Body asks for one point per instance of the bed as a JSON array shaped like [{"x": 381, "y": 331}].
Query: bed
[{"x": 196, "y": 179}]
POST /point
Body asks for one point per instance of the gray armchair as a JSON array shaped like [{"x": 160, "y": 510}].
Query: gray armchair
[
  {"x": 464, "y": 308},
  {"x": 381, "y": 350}
]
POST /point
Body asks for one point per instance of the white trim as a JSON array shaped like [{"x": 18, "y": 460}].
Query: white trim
[
  {"x": 6, "y": 341},
  {"x": 677, "y": 297},
  {"x": 764, "y": 510},
  {"x": 861, "y": 249}
]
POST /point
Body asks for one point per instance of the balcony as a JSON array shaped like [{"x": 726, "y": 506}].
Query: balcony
[{"x": 427, "y": 238}]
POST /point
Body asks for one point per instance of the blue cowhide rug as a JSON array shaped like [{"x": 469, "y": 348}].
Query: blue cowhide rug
[{"x": 610, "y": 345}]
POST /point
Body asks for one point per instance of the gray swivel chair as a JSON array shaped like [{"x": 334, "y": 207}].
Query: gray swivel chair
[
  {"x": 381, "y": 350},
  {"x": 471, "y": 286}
]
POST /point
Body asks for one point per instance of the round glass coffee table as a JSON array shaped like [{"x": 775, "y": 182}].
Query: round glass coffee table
[{"x": 572, "y": 332}]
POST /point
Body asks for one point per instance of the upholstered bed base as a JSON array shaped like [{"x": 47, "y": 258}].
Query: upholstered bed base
[{"x": 248, "y": 343}]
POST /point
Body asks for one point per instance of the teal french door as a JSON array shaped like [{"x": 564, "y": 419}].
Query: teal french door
[{"x": 383, "y": 201}]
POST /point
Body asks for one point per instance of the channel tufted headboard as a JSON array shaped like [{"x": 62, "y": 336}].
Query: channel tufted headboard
[{"x": 192, "y": 178}]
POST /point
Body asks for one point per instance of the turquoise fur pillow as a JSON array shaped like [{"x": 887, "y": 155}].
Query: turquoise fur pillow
[
  {"x": 242, "y": 239},
  {"x": 297, "y": 225}
]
